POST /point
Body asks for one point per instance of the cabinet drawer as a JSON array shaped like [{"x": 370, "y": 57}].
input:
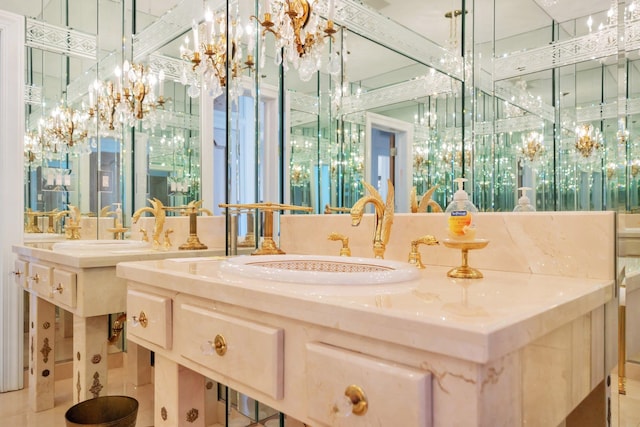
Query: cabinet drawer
[
  {"x": 149, "y": 317},
  {"x": 395, "y": 395},
  {"x": 64, "y": 287},
  {"x": 20, "y": 272},
  {"x": 39, "y": 279},
  {"x": 248, "y": 352}
]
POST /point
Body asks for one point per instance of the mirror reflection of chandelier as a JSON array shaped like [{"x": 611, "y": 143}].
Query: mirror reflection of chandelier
[
  {"x": 64, "y": 129},
  {"x": 622, "y": 135},
  {"x": 300, "y": 36},
  {"x": 588, "y": 141},
  {"x": 635, "y": 167},
  {"x": 532, "y": 148},
  {"x": 132, "y": 99}
]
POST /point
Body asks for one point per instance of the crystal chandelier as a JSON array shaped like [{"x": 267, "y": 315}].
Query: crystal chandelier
[
  {"x": 65, "y": 129},
  {"x": 299, "y": 35},
  {"x": 133, "y": 99},
  {"x": 532, "y": 148},
  {"x": 588, "y": 140},
  {"x": 209, "y": 55},
  {"x": 33, "y": 146}
]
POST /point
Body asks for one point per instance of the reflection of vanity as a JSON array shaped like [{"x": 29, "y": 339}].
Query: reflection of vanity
[
  {"x": 420, "y": 355},
  {"x": 82, "y": 282}
]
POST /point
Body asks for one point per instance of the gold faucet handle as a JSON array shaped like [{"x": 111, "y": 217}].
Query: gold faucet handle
[
  {"x": 344, "y": 251},
  {"x": 145, "y": 237},
  {"x": 414, "y": 256},
  {"x": 167, "y": 240}
]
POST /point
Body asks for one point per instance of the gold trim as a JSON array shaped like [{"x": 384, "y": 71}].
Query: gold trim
[
  {"x": 192, "y": 415},
  {"x": 45, "y": 350},
  {"x": 622, "y": 349},
  {"x": 96, "y": 387}
]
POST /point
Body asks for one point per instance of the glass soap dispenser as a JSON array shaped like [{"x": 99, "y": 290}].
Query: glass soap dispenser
[
  {"x": 460, "y": 214},
  {"x": 524, "y": 204}
]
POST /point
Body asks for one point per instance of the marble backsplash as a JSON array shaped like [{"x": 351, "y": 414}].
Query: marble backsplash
[
  {"x": 575, "y": 244},
  {"x": 210, "y": 229}
]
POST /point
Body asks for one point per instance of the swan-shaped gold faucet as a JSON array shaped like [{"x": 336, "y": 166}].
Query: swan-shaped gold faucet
[
  {"x": 383, "y": 214},
  {"x": 157, "y": 210},
  {"x": 425, "y": 201}
]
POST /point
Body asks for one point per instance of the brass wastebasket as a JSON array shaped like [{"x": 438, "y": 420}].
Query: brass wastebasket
[{"x": 104, "y": 411}]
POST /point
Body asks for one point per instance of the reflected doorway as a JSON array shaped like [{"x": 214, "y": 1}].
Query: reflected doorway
[
  {"x": 388, "y": 155},
  {"x": 383, "y": 157}
]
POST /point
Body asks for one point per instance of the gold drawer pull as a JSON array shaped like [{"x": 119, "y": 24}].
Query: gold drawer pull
[
  {"x": 59, "y": 288},
  {"x": 220, "y": 345},
  {"x": 358, "y": 399},
  {"x": 141, "y": 320},
  {"x": 35, "y": 278},
  {"x": 17, "y": 273}
]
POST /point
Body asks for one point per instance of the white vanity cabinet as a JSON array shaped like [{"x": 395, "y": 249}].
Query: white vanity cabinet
[
  {"x": 84, "y": 284},
  {"x": 414, "y": 356}
]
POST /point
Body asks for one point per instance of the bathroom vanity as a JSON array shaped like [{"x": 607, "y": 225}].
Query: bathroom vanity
[
  {"x": 507, "y": 350},
  {"x": 81, "y": 280}
]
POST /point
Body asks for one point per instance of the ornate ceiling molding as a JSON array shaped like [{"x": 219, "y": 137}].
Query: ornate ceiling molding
[{"x": 61, "y": 40}]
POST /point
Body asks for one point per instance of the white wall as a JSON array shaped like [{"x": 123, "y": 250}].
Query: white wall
[{"x": 11, "y": 196}]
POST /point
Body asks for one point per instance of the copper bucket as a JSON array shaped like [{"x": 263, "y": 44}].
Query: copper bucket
[{"x": 105, "y": 411}]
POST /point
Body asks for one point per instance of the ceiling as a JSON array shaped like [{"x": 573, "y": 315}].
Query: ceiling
[{"x": 518, "y": 24}]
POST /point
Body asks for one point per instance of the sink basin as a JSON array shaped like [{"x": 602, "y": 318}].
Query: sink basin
[
  {"x": 101, "y": 245},
  {"x": 321, "y": 270}
]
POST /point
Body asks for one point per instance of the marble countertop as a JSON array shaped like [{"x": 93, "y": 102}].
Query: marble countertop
[
  {"x": 103, "y": 258},
  {"x": 476, "y": 320}
]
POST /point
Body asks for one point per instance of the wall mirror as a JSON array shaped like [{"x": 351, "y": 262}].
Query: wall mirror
[{"x": 549, "y": 102}]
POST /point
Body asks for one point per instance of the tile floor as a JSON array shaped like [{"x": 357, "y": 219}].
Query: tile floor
[{"x": 15, "y": 412}]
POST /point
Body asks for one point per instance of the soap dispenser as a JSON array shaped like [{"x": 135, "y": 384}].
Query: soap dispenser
[
  {"x": 118, "y": 214},
  {"x": 460, "y": 214},
  {"x": 524, "y": 204}
]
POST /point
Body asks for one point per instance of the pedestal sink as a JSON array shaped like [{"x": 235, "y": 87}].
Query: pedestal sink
[{"x": 321, "y": 270}]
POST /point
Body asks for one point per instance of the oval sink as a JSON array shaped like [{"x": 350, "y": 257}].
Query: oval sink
[
  {"x": 321, "y": 270},
  {"x": 101, "y": 245}
]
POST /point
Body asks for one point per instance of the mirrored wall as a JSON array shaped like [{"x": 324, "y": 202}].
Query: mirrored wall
[{"x": 239, "y": 107}]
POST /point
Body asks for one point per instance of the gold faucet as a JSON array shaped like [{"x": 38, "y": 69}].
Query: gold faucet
[
  {"x": 32, "y": 221},
  {"x": 344, "y": 251},
  {"x": 268, "y": 247},
  {"x": 106, "y": 211},
  {"x": 57, "y": 216},
  {"x": 195, "y": 206},
  {"x": 328, "y": 209},
  {"x": 414, "y": 255},
  {"x": 157, "y": 210},
  {"x": 383, "y": 214},
  {"x": 425, "y": 201},
  {"x": 71, "y": 229}
]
